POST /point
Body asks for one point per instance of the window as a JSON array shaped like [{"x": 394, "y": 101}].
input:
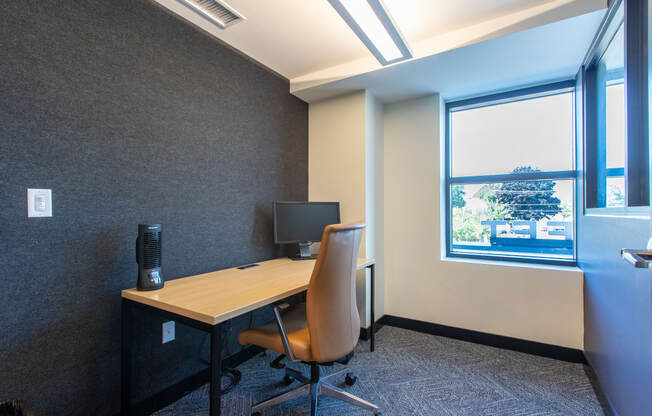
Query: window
[
  {"x": 611, "y": 68},
  {"x": 615, "y": 113},
  {"x": 606, "y": 78},
  {"x": 510, "y": 177}
]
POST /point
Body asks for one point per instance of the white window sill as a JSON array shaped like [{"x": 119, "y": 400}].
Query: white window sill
[
  {"x": 625, "y": 212},
  {"x": 502, "y": 263}
]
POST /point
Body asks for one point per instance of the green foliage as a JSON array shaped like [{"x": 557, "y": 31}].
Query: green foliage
[
  {"x": 615, "y": 198},
  {"x": 496, "y": 211},
  {"x": 468, "y": 227},
  {"x": 457, "y": 196},
  {"x": 529, "y": 200},
  {"x": 566, "y": 209},
  {"x": 509, "y": 201},
  {"x": 487, "y": 193}
]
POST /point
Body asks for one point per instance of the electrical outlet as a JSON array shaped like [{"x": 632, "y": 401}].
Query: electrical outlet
[{"x": 168, "y": 331}]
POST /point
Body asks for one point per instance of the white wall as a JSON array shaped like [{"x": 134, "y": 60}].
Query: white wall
[
  {"x": 341, "y": 169},
  {"x": 541, "y": 304},
  {"x": 375, "y": 204},
  {"x": 336, "y": 154},
  {"x": 383, "y": 164}
]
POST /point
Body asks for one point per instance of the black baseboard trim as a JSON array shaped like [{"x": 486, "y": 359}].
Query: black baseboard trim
[
  {"x": 515, "y": 344},
  {"x": 366, "y": 332},
  {"x": 175, "y": 392}
]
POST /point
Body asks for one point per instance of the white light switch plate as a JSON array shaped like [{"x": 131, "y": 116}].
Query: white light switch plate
[
  {"x": 168, "y": 331},
  {"x": 39, "y": 203}
]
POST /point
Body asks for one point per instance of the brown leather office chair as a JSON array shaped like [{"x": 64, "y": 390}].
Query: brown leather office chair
[{"x": 325, "y": 328}]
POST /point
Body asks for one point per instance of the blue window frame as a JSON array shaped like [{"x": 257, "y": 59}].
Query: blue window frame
[
  {"x": 510, "y": 176},
  {"x": 614, "y": 77}
]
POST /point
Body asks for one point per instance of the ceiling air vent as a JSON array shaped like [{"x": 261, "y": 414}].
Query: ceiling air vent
[{"x": 217, "y": 11}]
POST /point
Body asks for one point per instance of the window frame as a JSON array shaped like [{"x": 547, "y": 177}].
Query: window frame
[
  {"x": 561, "y": 87},
  {"x": 633, "y": 17}
]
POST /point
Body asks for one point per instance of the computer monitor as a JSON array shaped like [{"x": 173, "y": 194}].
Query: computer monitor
[{"x": 303, "y": 223}]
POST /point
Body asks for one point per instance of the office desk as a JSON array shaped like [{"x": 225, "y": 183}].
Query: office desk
[{"x": 206, "y": 300}]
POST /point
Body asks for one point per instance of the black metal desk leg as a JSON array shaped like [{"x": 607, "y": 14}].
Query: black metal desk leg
[
  {"x": 216, "y": 371},
  {"x": 373, "y": 318},
  {"x": 125, "y": 387}
]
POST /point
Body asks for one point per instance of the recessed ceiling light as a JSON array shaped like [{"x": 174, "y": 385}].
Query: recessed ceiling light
[{"x": 371, "y": 22}]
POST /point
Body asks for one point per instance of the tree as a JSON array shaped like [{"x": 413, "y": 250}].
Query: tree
[
  {"x": 615, "y": 198},
  {"x": 457, "y": 196},
  {"x": 467, "y": 227},
  {"x": 529, "y": 200},
  {"x": 496, "y": 211}
]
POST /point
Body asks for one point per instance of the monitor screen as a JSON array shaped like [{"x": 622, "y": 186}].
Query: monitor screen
[{"x": 296, "y": 222}]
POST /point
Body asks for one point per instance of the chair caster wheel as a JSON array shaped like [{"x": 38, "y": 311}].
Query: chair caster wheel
[
  {"x": 287, "y": 380},
  {"x": 350, "y": 379}
]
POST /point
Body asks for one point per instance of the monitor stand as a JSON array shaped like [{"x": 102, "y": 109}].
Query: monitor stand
[{"x": 303, "y": 252}]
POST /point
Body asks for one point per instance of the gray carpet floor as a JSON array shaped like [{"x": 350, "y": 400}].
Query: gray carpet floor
[{"x": 418, "y": 374}]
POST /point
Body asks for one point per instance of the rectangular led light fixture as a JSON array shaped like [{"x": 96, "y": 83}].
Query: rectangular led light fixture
[{"x": 374, "y": 26}]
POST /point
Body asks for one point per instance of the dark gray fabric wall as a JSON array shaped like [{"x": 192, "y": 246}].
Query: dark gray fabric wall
[{"x": 128, "y": 115}]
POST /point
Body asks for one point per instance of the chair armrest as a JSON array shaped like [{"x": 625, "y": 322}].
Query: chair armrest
[{"x": 278, "y": 310}]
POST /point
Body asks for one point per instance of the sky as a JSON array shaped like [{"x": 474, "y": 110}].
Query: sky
[{"x": 616, "y": 126}]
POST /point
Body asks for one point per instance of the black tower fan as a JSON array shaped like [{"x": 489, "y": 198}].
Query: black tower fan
[{"x": 148, "y": 256}]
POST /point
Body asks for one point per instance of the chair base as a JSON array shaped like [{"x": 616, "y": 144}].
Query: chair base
[{"x": 315, "y": 387}]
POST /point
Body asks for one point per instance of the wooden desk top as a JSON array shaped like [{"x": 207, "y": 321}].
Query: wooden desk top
[{"x": 219, "y": 296}]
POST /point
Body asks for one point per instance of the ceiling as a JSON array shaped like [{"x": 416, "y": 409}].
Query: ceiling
[
  {"x": 421, "y": 19},
  {"x": 295, "y": 38},
  {"x": 290, "y": 37},
  {"x": 545, "y": 53}
]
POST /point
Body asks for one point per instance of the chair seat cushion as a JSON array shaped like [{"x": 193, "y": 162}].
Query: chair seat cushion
[{"x": 268, "y": 336}]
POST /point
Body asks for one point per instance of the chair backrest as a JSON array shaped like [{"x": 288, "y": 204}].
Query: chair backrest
[{"x": 331, "y": 309}]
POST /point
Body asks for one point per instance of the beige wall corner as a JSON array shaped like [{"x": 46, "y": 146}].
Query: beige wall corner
[
  {"x": 383, "y": 164},
  {"x": 343, "y": 135},
  {"x": 542, "y": 304}
]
